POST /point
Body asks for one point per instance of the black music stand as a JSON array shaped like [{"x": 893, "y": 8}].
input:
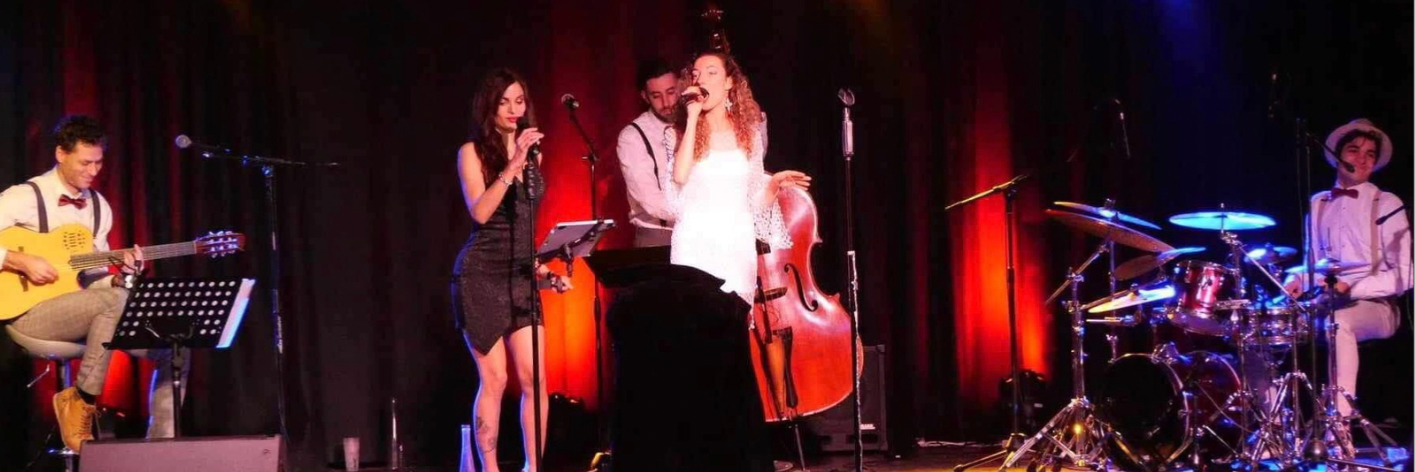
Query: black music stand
[
  {"x": 572, "y": 239},
  {"x": 566, "y": 241},
  {"x": 172, "y": 313}
]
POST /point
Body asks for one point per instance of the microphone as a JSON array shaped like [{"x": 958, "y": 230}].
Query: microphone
[
  {"x": 521, "y": 125},
  {"x": 1124, "y": 132},
  {"x": 847, "y": 127},
  {"x": 570, "y": 102},
  {"x": 691, "y": 95},
  {"x": 184, "y": 142},
  {"x": 1382, "y": 220}
]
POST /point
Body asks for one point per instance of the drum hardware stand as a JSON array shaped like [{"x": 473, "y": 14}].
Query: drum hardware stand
[
  {"x": 1330, "y": 439},
  {"x": 1074, "y": 430},
  {"x": 1111, "y": 337}
]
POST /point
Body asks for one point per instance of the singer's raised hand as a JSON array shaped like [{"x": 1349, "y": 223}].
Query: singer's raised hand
[
  {"x": 693, "y": 105},
  {"x": 528, "y": 138}
]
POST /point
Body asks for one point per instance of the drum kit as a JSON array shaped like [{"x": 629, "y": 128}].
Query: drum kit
[{"x": 1243, "y": 405}]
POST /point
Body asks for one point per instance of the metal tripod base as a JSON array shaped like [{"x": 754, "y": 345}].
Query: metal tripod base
[
  {"x": 1013, "y": 442},
  {"x": 1278, "y": 434},
  {"x": 1074, "y": 435},
  {"x": 1331, "y": 442}
]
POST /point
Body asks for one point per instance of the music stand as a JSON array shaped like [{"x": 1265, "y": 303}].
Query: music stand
[
  {"x": 171, "y": 313},
  {"x": 566, "y": 241}
]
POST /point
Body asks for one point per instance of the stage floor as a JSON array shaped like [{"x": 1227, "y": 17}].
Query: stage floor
[{"x": 927, "y": 459}]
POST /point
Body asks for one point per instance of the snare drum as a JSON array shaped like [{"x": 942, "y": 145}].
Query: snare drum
[
  {"x": 1202, "y": 287},
  {"x": 1278, "y": 326}
]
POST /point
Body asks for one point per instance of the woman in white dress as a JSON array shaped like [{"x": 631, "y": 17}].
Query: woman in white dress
[{"x": 723, "y": 198}]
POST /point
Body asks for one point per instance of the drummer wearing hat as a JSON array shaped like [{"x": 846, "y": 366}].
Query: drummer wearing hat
[{"x": 1344, "y": 228}]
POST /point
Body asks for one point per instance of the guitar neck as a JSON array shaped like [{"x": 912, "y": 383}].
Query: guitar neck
[{"x": 149, "y": 253}]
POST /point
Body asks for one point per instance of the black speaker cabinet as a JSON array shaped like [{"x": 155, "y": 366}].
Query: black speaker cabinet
[
  {"x": 835, "y": 428},
  {"x": 212, "y": 454}
]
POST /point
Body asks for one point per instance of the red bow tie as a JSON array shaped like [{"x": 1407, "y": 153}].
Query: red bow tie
[
  {"x": 1335, "y": 192},
  {"x": 79, "y": 203}
]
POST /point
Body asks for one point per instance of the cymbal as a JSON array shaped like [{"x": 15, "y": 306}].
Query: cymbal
[
  {"x": 1222, "y": 220},
  {"x": 1148, "y": 262},
  {"x": 1132, "y": 297},
  {"x": 1104, "y": 213},
  {"x": 1270, "y": 254},
  {"x": 1117, "y": 232},
  {"x": 1330, "y": 266}
]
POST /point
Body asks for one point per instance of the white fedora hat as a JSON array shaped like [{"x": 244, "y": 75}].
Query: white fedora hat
[{"x": 1364, "y": 125}]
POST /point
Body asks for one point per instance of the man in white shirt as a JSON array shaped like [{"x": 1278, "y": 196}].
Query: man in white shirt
[
  {"x": 643, "y": 154},
  {"x": 59, "y": 197},
  {"x": 1343, "y": 227}
]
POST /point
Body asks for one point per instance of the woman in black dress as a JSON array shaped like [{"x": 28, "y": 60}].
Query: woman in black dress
[{"x": 493, "y": 291}]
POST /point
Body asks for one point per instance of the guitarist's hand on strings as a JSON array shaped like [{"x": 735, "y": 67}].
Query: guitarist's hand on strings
[
  {"x": 132, "y": 261},
  {"x": 35, "y": 268}
]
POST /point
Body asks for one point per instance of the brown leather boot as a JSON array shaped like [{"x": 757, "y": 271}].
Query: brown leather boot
[{"x": 75, "y": 418}]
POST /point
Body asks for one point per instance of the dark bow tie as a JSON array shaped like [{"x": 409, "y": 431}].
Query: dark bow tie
[
  {"x": 79, "y": 203},
  {"x": 1335, "y": 192}
]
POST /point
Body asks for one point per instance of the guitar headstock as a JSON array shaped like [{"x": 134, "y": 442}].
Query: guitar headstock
[{"x": 220, "y": 243}]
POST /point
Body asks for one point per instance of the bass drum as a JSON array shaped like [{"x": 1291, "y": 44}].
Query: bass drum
[{"x": 1162, "y": 406}]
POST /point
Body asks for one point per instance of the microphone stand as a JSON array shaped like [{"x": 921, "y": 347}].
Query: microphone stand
[
  {"x": 537, "y": 317},
  {"x": 592, "y": 158},
  {"x": 1015, "y": 438},
  {"x": 847, "y": 98},
  {"x": 267, "y": 169}
]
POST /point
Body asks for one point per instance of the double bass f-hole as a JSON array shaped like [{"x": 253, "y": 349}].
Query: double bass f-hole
[{"x": 810, "y": 305}]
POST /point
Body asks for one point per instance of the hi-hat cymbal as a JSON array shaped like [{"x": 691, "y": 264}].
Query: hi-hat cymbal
[
  {"x": 1222, "y": 220},
  {"x": 1148, "y": 262},
  {"x": 1330, "y": 266},
  {"x": 1107, "y": 214},
  {"x": 1132, "y": 297},
  {"x": 1270, "y": 254},
  {"x": 1117, "y": 232}
]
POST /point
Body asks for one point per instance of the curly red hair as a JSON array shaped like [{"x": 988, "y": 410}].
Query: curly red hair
[{"x": 744, "y": 114}]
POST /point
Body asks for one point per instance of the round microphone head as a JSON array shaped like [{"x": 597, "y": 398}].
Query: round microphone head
[
  {"x": 570, "y": 101},
  {"x": 522, "y": 123},
  {"x": 183, "y": 141}
]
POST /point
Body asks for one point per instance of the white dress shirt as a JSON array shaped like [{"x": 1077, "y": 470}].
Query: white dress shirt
[
  {"x": 1344, "y": 228},
  {"x": 18, "y": 208},
  {"x": 647, "y": 208}
]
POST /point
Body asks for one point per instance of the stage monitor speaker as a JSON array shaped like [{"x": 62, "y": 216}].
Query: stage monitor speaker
[
  {"x": 835, "y": 427},
  {"x": 210, "y": 454}
]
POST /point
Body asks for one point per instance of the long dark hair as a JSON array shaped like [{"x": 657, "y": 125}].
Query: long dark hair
[
  {"x": 490, "y": 144},
  {"x": 744, "y": 114}
]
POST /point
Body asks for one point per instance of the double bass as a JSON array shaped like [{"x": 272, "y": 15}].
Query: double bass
[{"x": 800, "y": 337}]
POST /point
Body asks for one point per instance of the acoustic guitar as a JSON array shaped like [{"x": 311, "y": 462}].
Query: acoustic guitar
[{"x": 69, "y": 249}]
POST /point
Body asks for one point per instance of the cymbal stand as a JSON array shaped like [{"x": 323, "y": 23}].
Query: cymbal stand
[{"x": 1074, "y": 431}]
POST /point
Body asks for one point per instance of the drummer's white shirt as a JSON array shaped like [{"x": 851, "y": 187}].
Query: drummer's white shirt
[{"x": 1343, "y": 231}]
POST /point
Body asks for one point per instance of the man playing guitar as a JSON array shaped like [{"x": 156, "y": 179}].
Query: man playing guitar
[{"x": 63, "y": 196}]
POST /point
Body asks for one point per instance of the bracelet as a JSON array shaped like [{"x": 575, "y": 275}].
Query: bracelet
[{"x": 504, "y": 180}]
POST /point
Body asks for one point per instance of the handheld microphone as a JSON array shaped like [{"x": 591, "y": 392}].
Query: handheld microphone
[
  {"x": 691, "y": 95},
  {"x": 569, "y": 101}
]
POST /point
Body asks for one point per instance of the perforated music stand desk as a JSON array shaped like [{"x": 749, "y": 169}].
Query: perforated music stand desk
[{"x": 170, "y": 313}]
